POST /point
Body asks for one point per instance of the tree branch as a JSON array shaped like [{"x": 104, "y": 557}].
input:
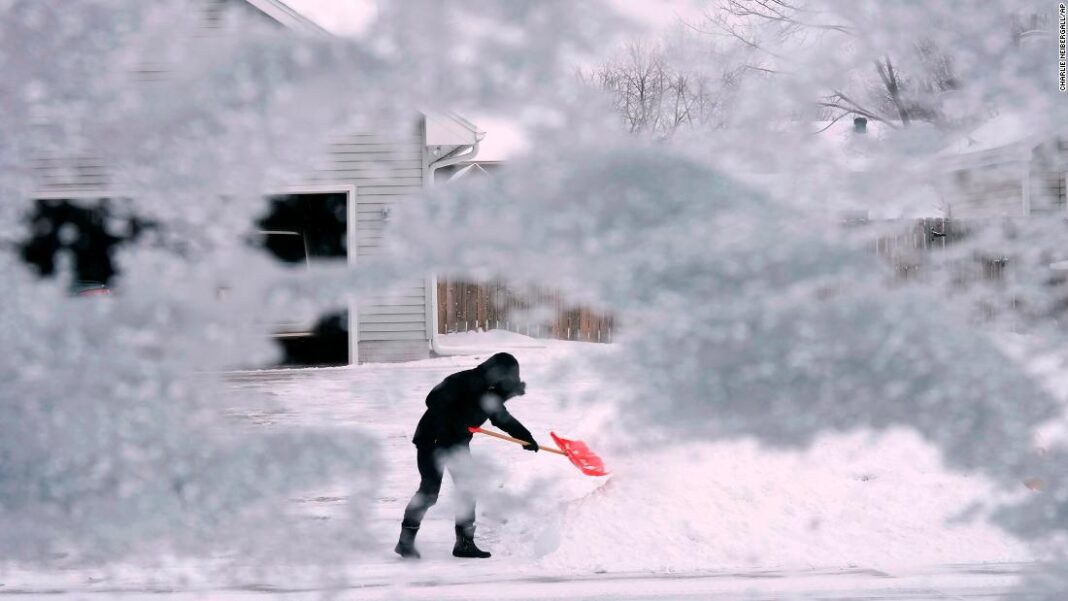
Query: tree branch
[{"x": 893, "y": 88}]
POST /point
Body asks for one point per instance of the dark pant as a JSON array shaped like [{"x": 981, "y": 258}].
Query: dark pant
[{"x": 432, "y": 462}]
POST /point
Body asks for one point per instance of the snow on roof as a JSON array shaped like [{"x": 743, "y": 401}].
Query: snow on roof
[
  {"x": 340, "y": 17},
  {"x": 862, "y": 157},
  {"x": 450, "y": 129},
  {"x": 1004, "y": 130},
  {"x": 466, "y": 170},
  {"x": 500, "y": 139},
  {"x": 506, "y": 138},
  {"x": 840, "y": 140},
  {"x": 841, "y": 131}
]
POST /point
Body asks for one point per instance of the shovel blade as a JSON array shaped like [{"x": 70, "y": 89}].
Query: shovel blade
[{"x": 581, "y": 456}]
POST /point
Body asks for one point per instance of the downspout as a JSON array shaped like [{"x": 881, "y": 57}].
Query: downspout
[
  {"x": 454, "y": 157},
  {"x": 450, "y": 159},
  {"x": 435, "y": 345}
]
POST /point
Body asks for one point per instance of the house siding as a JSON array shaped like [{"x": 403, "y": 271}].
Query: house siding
[
  {"x": 986, "y": 191},
  {"x": 1011, "y": 181},
  {"x": 1049, "y": 163},
  {"x": 58, "y": 176},
  {"x": 1047, "y": 191},
  {"x": 385, "y": 168}
]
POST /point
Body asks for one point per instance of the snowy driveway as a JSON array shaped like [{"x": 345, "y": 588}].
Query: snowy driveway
[
  {"x": 688, "y": 523},
  {"x": 987, "y": 582}
]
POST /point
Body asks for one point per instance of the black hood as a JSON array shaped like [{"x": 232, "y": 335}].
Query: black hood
[{"x": 501, "y": 374}]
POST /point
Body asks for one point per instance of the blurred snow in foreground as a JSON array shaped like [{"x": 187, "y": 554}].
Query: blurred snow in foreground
[{"x": 858, "y": 501}]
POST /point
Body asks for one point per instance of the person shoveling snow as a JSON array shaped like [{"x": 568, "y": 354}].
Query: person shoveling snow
[{"x": 442, "y": 440}]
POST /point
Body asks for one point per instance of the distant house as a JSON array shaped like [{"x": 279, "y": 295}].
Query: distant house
[
  {"x": 364, "y": 175},
  {"x": 1005, "y": 168},
  {"x": 1002, "y": 168}
]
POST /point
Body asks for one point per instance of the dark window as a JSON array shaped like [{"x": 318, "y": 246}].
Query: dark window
[
  {"x": 318, "y": 219},
  {"x": 88, "y": 230},
  {"x": 300, "y": 229}
]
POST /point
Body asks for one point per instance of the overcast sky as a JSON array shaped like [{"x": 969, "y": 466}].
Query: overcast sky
[
  {"x": 503, "y": 138},
  {"x": 352, "y": 16},
  {"x": 338, "y": 16}
]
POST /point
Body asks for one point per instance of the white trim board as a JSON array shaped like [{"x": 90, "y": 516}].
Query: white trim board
[
  {"x": 281, "y": 12},
  {"x": 351, "y": 247}
]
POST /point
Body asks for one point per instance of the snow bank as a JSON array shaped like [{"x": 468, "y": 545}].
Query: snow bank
[
  {"x": 869, "y": 500},
  {"x": 491, "y": 339},
  {"x": 850, "y": 501}
]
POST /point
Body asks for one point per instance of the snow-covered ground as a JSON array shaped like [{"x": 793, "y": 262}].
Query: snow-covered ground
[
  {"x": 978, "y": 583},
  {"x": 854, "y": 515}
]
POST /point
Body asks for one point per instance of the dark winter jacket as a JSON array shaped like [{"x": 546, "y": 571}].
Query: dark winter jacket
[{"x": 469, "y": 398}]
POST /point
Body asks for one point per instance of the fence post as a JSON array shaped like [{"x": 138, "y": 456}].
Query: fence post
[
  {"x": 450, "y": 309},
  {"x": 441, "y": 308}
]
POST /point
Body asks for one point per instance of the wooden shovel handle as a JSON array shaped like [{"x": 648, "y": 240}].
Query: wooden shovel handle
[{"x": 516, "y": 440}]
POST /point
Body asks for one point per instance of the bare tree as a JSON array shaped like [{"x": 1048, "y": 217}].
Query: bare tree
[
  {"x": 655, "y": 97},
  {"x": 657, "y": 94},
  {"x": 895, "y": 98}
]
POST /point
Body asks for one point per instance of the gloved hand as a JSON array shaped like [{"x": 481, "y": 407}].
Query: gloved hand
[{"x": 531, "y": 446}]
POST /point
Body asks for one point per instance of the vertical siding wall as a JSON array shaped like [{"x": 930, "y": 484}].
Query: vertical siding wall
[
  {"x": 385, "y": 168},
  {"x": 1048, "y": 171},
  {"x": 1000, "y": 183},
  {"x": 58, "y": 177},
  {"x": 986, "y": 191}
]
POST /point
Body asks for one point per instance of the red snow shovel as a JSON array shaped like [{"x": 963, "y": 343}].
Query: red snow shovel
[{"x": 575, "y": 450}]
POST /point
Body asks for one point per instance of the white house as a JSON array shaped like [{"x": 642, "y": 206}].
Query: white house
[
  {"x": 1005, "y": 168},
  {"x": 370, "y": 170}
]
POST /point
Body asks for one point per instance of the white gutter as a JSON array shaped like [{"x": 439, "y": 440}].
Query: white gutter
[
  {"x": 457, "y": 156},
  {"x": 450, "y": 159},
  {"x": 447, "y": 161},
  {"x": 453, "y": 157}
]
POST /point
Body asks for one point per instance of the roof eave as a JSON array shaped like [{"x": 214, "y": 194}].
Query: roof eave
[{"x": 286, "y": 16}]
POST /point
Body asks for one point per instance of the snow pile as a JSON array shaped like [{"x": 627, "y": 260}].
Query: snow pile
[
  {"x": 742, "y": 314},
  {"x": 493, "y": 339},
  {"x": 866, "y": 499},
  {"x": 849, "y": 501}
]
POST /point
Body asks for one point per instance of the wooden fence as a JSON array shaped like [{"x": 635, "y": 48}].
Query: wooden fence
[
  {"x": 906, "y": 250},
  {"x": 468, "y": 306}
]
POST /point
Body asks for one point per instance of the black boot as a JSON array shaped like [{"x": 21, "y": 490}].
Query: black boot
[
  {"x": 406, "y": 545},
  {"x": 465, "y": 544}
]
